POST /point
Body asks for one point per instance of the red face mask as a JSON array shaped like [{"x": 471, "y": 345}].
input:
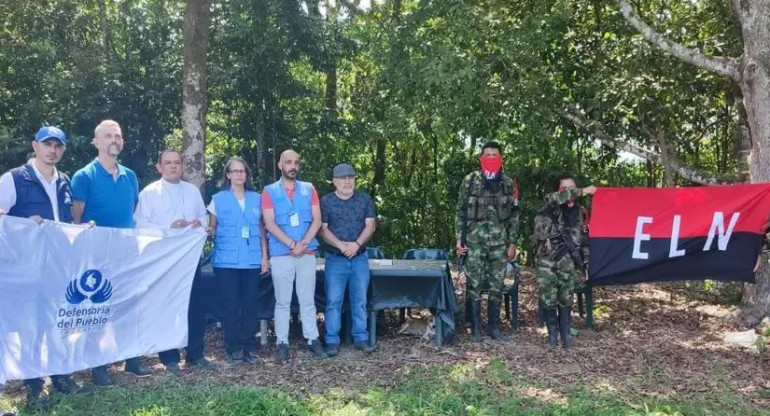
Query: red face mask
[{"x": 490, "y": 166}]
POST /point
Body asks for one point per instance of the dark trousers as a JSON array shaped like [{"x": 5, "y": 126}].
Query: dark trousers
[
  {"x": 239, "y": 291},
  {"x": 38, "y": 382},
  {"x": 200, "y": 295},
  {"x": 130, "y": 362}
]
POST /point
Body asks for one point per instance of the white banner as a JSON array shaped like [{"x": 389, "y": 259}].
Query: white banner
[{"x": 73, "y": 298}]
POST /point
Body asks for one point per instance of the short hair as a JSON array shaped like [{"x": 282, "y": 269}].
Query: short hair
[
  {"x": 492, "y": 145},
  {"x": 163, "y": 153},
  {"x": 225, "y": 183},
  {"x": 562, "y": 177},
  {"x": 104, "y": 123}
]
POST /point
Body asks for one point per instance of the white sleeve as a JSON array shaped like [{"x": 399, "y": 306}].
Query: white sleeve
[
  {"x": 143, "y": 212},
  {"x": 7, "y": 192},
  {"x": 212, "y": 208}
]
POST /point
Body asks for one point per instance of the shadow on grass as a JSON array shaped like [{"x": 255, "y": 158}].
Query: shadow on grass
[{"x": 454, "y": 390}]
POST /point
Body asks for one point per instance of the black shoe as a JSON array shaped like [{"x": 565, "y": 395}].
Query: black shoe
[
  {"x": 134, "y": 366},
  {"x": 282, "y": 352},
  {"x": 332, "y": 350},
  {"x": 552, "y": 324},
  {"x": 364, "y": 346},
  {"x": 101, "y": 377},
  {"x": 201, "y": 363},
  {"x": 9, "y": 414},
  {"x": 65, "y": 385},
  {"x": 251, "y": 357},
  {"x": 317, "y": 350},
  {"x": 493, "y": 320},
  {"x": 564, "y": 326},
  {"x": 235, "y": 357},
  {"x": 172, "y": 368},
  {"x": 476, "y": 321}
]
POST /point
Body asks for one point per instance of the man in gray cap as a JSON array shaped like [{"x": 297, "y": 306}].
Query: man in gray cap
[{"x": 348, "y": 222}]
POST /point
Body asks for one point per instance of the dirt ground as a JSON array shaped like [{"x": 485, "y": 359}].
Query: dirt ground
[{"x": 650, "y": 341}]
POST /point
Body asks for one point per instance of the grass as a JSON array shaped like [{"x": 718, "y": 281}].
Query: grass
[{"x": 425, "y": 391}]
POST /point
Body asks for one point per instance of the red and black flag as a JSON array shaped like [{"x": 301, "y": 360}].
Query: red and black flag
[{"x": 646, "y": 235}]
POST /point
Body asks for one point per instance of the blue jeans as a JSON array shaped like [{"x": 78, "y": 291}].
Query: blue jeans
[{"x": 340, "y": 273}]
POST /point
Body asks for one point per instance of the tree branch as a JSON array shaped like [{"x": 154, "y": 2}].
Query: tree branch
[
  {"x": 720, "y": 65},
  {"x": 596, "y": 129}
]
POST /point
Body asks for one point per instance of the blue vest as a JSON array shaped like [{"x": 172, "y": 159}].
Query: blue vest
[
  {"x": 31, "y": 198},
  {"x": 231, "y": 249},
  {"x": 302, "y": 205}
]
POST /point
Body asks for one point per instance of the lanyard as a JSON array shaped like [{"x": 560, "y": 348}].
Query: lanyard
[{"x": 285, "y": 195}]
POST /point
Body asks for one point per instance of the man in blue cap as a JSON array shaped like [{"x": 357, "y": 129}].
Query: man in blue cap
[{"x": 37, "y": 190}]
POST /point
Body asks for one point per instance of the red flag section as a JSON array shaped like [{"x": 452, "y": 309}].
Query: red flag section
[{"x": 643, "y": 234}]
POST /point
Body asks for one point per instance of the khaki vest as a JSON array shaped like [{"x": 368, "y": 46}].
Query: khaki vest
[{"x": 480, "y": 199}]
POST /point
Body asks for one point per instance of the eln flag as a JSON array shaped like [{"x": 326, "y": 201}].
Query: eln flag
[
  {"x": 74, "y": 298},
  {"x": 644, "y": 235}
]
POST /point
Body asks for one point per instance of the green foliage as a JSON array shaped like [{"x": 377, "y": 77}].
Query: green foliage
[{"x": 427, "y": 82}]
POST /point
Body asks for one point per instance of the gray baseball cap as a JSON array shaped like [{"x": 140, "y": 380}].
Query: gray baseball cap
[{"x": 343, "y": 169}]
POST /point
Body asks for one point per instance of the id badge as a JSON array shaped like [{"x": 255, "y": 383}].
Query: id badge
[
  {"x": 245, "y": 231},
  {"x": 294, "y": 220}
]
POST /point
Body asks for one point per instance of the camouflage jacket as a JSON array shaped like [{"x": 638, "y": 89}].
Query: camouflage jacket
[
  {"x": 496, "y": 213},
  {"x": 551, "y": 216}
]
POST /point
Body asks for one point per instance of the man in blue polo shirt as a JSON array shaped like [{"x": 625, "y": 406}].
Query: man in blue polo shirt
[
  {"x": 37, "y": 190},
  {"x": 106, "y": 192}
]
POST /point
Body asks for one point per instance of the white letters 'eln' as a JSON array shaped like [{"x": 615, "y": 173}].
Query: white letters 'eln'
[
  {"x": 719, "y": 224},
  {"x": 639, "y": 236}
]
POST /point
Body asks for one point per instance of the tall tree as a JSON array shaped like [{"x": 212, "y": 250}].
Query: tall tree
[
  {"x": 751, "y": 72},
  {"x": 196, "y": 35}
]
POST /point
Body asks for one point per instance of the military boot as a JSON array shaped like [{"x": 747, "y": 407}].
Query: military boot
[
  {"x": 552, "y": 323},
  {"x": 493, "y": 321},
  {"x": 564, "y": 326},
  {"x": 476, "y": 321}
]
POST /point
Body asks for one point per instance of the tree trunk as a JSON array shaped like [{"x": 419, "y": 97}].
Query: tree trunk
[
  {"x": 331, "y": 88},
  {"x": 755, "y": 86},
  {"x": 105, "y": 28},
  {"x": 196, "y": 34},
  {"x": 379, "y": 167},
  {"x": 261, "y": 125},
  {"x": 665, "y": 156}
]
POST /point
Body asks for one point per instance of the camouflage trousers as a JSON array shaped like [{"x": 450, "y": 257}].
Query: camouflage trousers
[
  {"x": 555, "y": 282},
  {"x": 485, "y": 270}
]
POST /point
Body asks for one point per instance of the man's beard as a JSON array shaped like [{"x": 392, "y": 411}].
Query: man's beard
[
  {"x": 113, "y": 150},
  {"x": 291, "y": 173}
]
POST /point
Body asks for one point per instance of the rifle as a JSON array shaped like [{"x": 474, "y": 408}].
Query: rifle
[
  {"x": 564, "y": 244},
  {"x": 460, "y": 260}
]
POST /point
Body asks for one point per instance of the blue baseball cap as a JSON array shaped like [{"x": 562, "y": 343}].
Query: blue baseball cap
[{"x": 50, "y": 132}]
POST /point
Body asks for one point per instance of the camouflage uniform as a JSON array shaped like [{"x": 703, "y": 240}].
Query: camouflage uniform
[
  {"x": 492, "y": 224},
  {"x": 557, "y": 274}
]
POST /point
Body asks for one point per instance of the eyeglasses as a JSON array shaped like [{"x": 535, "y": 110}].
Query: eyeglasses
[{"x": 237, "y": 171}]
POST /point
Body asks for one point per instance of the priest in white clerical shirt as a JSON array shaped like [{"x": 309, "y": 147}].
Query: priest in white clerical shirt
[{"x": 173, "y": 203}]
